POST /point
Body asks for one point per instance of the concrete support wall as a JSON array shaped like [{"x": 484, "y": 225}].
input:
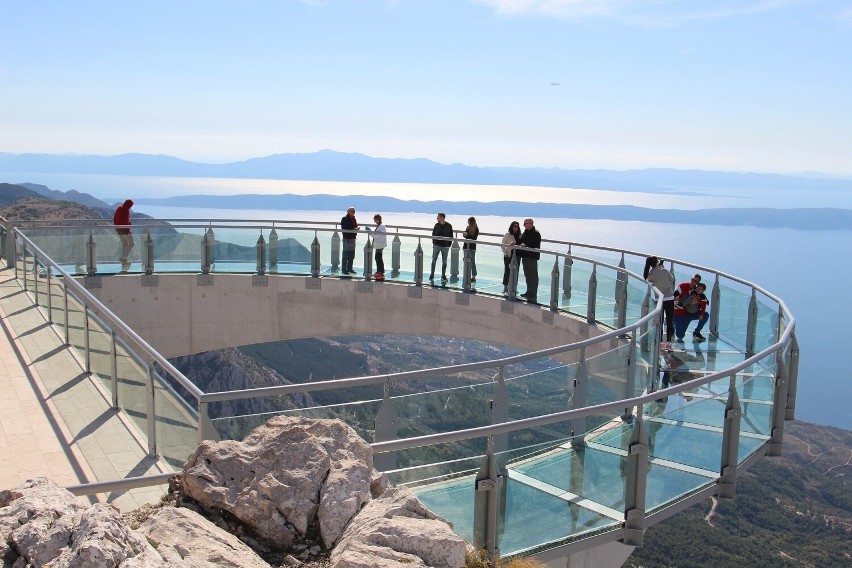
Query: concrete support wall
[{"x": 180, "y": 317}]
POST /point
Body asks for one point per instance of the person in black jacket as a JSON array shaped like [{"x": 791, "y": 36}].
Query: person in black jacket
[
  {"x": 441, "y": 246},
  {"x": 349, "y": 225},
  {"x": 530, "y": 243}
]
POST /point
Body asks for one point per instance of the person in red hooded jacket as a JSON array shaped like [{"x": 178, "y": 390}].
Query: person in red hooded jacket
[{"x": 121, "y": 220}]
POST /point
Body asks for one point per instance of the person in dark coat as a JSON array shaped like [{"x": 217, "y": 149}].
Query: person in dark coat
[
  {"x": 530, "y": 243},
  {"x": 121, "y": 220}
]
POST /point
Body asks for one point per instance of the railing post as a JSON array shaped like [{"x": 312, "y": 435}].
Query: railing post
[
  {"x": 751, "y": 325},
  {"x": 730, "y": 443},
  {"x": 567, "y": 265},
  {"x": 466, "y": 271},
  {"x": 632, "y": 367},
  {"x": 512, "y": 291},
  {"x": 454, "y": 262},
  {"x": 396, "y": 247},
  {"x": 9, "y": 246},
  {"x": 35, "y": 279},
  {"x": 779, "y": 406},
  {"x": 418, "y": 265},
  {"x": 205, "y": 261},
  {"x": 620, "y": 308},
  {"x": 49, "y": 296},
  {"x": 636, "y": 483},
  {"x": 386, "y": 429},
  {"x": 206, "y": 429},
  {"x": 335, "y": 251},
  {"x": 592, "y": 299},
  {"x": 315, "y": 256},
  {"x": 487, "y": 506},
  {"x": 87, "y": 357},
  {"x": 368, "y": 259},
  {"x": 273, "y": 250},
  {"x": 645, "y": 344},
  {"x": 65, "y": 307},
  {"x": 113, "y": 358},
  {"x": 554, "y": 285},
  {"x": 500, "y": 411},
  {"x": 151, "y": 418},
  {"x": 792, "y": 377},
  {"x": 148, "y": 261},
  {"x": 715, "y": 296},
  {"x": 261, "y": 254},
  {"x": 91, "y": 256},
  {"x": 23, "y": 265},
  {"x": 580, "y": 400}
]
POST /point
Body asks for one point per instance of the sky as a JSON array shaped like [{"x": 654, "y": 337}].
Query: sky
[{"x": 739, "y": 85}]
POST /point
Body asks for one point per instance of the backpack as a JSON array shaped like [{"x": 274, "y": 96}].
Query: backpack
[{"x": 691, "y": 303}]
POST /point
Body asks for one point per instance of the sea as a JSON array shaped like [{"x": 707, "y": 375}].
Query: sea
[{"x": 801, "y": 267}]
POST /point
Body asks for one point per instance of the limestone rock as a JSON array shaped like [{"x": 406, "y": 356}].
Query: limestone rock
[
  {"x": 185, "y": 538},
  {"x": 287, "y": 476},
  {"x": 102, "y": 539},
  {"x": 397, "y": 530},
  {"x": 37, "y": 519},
  {"x": 47, "y": 525}
]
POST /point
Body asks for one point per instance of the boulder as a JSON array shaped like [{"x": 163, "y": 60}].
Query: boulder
[
  {"x": 288, "y": 477},
  {"x": 395, "y": 529},
  {"x": 185, "y": 538},
  {"x": 44, "y": 524}
]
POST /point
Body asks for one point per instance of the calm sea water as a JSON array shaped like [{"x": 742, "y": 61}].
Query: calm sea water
[{"x": 801, "y": 267}]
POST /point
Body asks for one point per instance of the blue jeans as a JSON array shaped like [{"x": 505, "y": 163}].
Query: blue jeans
[
  {"x": 682, "y": 322},
  {"x": 436, "y": 250},
  {"x": 348, "y": 255}
]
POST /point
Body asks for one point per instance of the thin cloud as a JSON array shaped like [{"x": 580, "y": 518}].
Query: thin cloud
[{"x": 650, "y": 13}]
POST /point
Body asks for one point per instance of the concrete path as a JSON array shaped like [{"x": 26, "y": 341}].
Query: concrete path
[{"x": 56, "y": 420}]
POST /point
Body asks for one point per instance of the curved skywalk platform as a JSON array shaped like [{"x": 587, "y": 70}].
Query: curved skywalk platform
[{"x": 578, "y": 445}]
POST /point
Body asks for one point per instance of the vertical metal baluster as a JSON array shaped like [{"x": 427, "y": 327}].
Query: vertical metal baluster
[
  {"x": 580, "y": 400},
  {"x": 779, "y": 406},
  {"x": 152, "y": 419},
  {"x": 273, "y": 250},
  {"x": 636, "y": 483},
  {"x": 730, "y": 443},
  {"x": 113, "y": 353},
  {"x": 792, "y": 377},
  {"x": 315, "y": 257},
  {"x": 554, "y": 285},
  {"x": 592, "y": 299},
  {"x": 396, "y": 247},
  {"x": 418, "y": 265}
]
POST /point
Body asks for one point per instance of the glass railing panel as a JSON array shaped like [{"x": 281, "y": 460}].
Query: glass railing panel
[
  {"x": 176, "y": 425},
  {"x": 534, "y": 391},
  {"x": 489, "y": 268},
  {"x": 767, "y": 328},
  {"x": 578, "y": 301},
  {"x": 606, "y": 311},
  {"x": 448, "y": 489},
  {"x": 733, "y": 315},
  {"x": 294, "y": 250},
  {"x": 57, "y": 293},
  {"x": 526, "y": 506},
  {"x": 100, "y": 352},
  {"x": 234, "y": 249},
  {"x": 65, "y": 245},
  {"x": 132, "y": 377},
  {"x": 608, "y": 374},
  {"x": 175, "y": 248},
  {"x": 447, "y": 409}
]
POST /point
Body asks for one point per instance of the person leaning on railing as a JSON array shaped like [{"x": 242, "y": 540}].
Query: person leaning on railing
[
  {"x": 530, "y": 243},
  {"x": 511, "y": 239},
  {"x": 121, "y": 219}
]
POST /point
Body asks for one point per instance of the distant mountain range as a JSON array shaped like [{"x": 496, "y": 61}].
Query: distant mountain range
[
  {"x": 802, "y": 219},
  {"x": 328, "y": 165}
]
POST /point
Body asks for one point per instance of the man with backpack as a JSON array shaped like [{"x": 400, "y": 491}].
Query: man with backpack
[{"x": 690, "y": 305}]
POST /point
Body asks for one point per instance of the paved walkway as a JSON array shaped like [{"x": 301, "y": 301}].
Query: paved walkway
[{"x": 55, "y": 420}]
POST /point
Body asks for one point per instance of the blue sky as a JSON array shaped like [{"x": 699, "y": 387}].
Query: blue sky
[{"x": 744, "y": 85}]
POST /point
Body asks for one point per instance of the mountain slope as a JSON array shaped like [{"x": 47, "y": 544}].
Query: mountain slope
[{"x": 793, "y": 510}]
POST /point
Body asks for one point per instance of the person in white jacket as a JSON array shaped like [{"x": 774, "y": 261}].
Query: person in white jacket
[
  {"x": 380, "y": 241},
  {"x": 511, "y": 239}
]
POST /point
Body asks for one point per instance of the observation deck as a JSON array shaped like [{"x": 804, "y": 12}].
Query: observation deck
[{"x": 569, "y": 450}]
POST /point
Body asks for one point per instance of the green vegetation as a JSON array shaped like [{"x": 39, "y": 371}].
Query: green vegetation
[{"x": 794, "y": 510}]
